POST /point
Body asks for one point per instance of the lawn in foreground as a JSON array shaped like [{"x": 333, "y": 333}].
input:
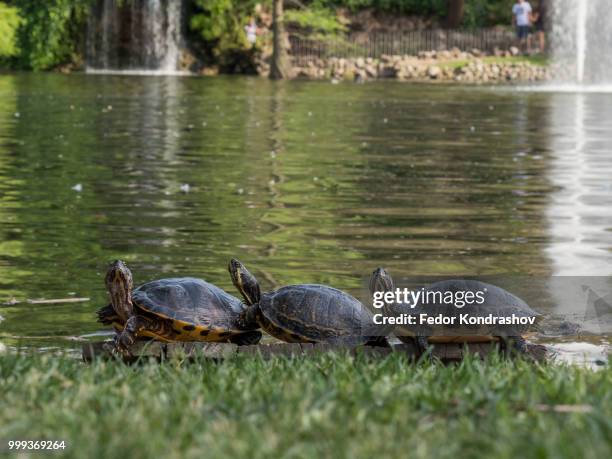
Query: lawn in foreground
[{"x": 322, "y": 406}]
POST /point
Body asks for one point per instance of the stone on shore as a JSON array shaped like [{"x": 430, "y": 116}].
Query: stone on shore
[{"x": 445, "y": 65}]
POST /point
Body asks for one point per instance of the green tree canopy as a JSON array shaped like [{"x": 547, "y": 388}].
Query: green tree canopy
[{"x": 9, "y": 22}]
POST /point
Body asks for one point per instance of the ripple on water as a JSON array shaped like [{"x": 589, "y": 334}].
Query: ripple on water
[{"x": 360, "y": 176}]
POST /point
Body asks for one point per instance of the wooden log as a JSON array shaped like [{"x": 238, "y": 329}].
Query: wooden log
[
  {"x": 482, "y": 349},
  {"x": 92, "y": 350},
  {"x": 538, "y": 352},
  {"x": 143, "y": 349},
  {"x": 215, "y": 351},
  {"x": 408, "y": 349},
  {"x": 180, "y": 351},
  {"x": 286, "y": 350},
  {"x": 307, "y": 348},
  {"x": 252, "y": 350},
  {"x": 14, "y": 301},
  {"x": 372, "y": 351},
  {"x": 57, "y": 300},
  {"x": 450, "y": 352}
]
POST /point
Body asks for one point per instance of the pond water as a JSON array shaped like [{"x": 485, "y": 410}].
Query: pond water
[{"x": 303, "y": 181}]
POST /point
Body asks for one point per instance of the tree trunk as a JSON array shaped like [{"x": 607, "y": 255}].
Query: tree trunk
[
  {"x": 278, "y": 69},
  {"x": 455, "y": 13}
]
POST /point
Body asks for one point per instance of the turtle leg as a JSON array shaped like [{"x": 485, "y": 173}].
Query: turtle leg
[
  {"x": 422, "y": 345},
  {"x": 133, "y": 326},
  {"x": 378, "y": 341},
  {"x": 512, "y": 344},
  {"x": 248, "y": 318},
  {"x": 245, "y": 339},
  {"x": 107, "y": 315}
]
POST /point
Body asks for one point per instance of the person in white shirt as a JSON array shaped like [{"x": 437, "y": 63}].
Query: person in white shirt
[
  {"x": 251, "y": 31},
  {"x": 521, "y": 18}
]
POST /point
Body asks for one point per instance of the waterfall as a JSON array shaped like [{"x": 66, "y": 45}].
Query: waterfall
[
  {"x": 581, "y": 38},
  {"x": 134, "y": 36},
  {"x": 581, "y": 41}
]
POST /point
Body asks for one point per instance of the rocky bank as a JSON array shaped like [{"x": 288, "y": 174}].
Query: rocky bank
[{"x": 453, "y": 65}]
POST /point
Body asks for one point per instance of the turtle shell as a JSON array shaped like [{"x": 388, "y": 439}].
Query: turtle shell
[
  {"x": 314, "y": 313},
  {"x": 497, "y": 302},
  {"x": 197, "y": 309}
]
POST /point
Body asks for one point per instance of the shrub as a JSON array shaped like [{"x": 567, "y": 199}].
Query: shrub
[
  {"x": 9, "y": 22},
  {"x": 51, "y": 32}
]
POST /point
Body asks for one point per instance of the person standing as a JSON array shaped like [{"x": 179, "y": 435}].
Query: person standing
[
  {"x": 539, "y": 22},
  {"x": 521, "y": 18},
  {"x": 251, "y": 31}
]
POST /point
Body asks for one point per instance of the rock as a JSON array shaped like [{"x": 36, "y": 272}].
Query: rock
[
  {"x": 433, "y": 72},
  {"x": 187, "y": 61},
  {"x": 371, "y": 71},
  {"x": 387, "y": 72},
  {"x": 423, "y": 67},
  {"x": 349, "y": 75},
  {"x": 210, "y": 71},
  {"x": 514, "y": 51}
]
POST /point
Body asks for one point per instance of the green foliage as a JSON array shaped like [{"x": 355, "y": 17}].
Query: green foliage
[
  {"x": 538, "y": 60},
  {"x": 9, "y": 22},
  {"x": 419, "y": 7},
  {"x": 317, "y": 19},
  {"x": 485, "y": 13},
  {"x": 51, "y": 33},
  {"x": 221, "y": 23},
  {"x": 477, "y": 13}
]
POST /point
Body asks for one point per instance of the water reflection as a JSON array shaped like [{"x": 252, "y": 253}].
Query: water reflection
[
  {"x": 580, "y": 209},
  {"x": 305, "y": 181},
  {"x": 580, "y": 212}
]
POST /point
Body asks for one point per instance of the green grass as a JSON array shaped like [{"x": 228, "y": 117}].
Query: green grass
[
  {"x": 324, "y": 406},
  {"x": 537, "y": 60}
]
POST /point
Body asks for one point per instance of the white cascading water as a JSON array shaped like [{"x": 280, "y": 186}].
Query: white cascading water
[
  {"x": 134, "y": 36},
  {"x": 581, "y": 38}
]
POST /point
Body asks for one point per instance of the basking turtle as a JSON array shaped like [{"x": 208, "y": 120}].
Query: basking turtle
[
  {"x": 178, "y": 309},
  {"x": 304, "y": 313},
  {"x": 496, "y": 301}
]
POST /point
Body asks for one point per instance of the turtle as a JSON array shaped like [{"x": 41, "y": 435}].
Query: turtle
[
  {"x": 174, "y": 309},
  {"x": 496, "y": 301},
  {"x": 304, "y": 313}
]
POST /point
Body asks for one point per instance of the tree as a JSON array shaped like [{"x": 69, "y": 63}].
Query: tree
[
  {"x": 9, "y": 22},
  {"x": 278, "y": 69},
  {"x": 455, "y": 13}
]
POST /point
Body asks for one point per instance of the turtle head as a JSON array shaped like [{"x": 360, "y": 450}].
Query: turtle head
[
  {"x": 119, "y": 285},
  {"x": 381, "y": 281},
  {"x": 244, "y": 281}
]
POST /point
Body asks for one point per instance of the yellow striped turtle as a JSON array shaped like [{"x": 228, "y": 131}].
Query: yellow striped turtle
[
  {"x": 176, "y": 309},
  {"x": 304, "y": 313}
]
